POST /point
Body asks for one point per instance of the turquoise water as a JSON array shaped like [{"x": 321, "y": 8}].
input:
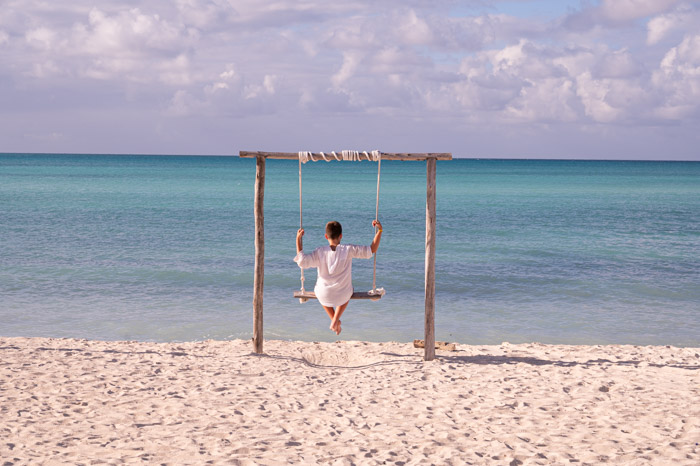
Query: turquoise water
[{"x": 160, "y": 248}]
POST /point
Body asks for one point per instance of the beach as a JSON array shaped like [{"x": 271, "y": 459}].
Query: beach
[{"x": 67, "y": 401}]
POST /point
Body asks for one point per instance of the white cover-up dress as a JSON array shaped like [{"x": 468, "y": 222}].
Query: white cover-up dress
[{"x": 334, "y": 283}]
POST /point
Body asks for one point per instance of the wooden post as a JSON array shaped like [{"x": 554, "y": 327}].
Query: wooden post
[
  {"x": 430, "y": 262},
  {"x": 259, "y": 277}
]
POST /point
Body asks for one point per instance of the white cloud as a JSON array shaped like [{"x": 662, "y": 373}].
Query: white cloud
[
  {"x": 593, "y": 94},
  {"x": 414, "y": 30},
  {"x": 183, "y": 104},
  {"x": 617, "y": 64},
  {"x": 130, "y": 32},
  {"x": 227, "y": 79},
  {"x": 659, "y": 26},
  {"x": 466, "y": 33},
  {"x": 176, "y": 71},
  {"x": 397, "y": 61},
  {"x": 266, "y": 88},
  {"x": 44, "y": 70},
  {"x": 126, "y": 44},
  {"x": 616, "y": 14},
  {"x": 679, "y": 77},
  {"x": 229, "y": 93},
  {"x": 549, "y": 100},
  {"x": 41, "y": 38},
  {"x": 351, "y": 61},
  {"x": 204, "y": 14},
  {"x": 527, "y": 82},
  {"x": 629, "y": 10},
  {"x": 354, "y": 35},
  {"x": 604, "y": 65},
  {"x": 269, "y": 83},
  {"x": 683, "y": 19}
]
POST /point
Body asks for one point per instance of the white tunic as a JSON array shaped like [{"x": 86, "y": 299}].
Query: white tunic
[{"x": 334, "y": 283}]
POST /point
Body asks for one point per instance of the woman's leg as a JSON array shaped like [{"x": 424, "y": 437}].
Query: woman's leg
[
  {"x": 331, "y": 313},
  {"x": 329, "y": 310},
  {"x": 335, "y": 321}
]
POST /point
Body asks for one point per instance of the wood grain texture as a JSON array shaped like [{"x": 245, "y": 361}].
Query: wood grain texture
[
  {"x": 259, "y": 276},
  {"x": 355, "y": 295},
  {"x": 385, "y": 155},
  {"x": 430, "y": 262}
]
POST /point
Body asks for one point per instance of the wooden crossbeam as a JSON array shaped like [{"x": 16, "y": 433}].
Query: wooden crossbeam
[{"x": 385, "y": 155}]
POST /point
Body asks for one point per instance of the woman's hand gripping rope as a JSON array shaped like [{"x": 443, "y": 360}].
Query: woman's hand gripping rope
[{"x": 300, "y": 233}]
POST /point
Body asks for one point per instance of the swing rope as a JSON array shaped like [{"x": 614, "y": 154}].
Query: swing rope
[
  {"x": 301, "y": 224},
  {"x": 376, "y": 217},
  {"x": 350, "y": 155}
]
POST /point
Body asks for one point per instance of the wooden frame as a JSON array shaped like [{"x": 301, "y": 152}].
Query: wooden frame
[
  {"x": 385, "y": 155},
  {"x": 430, "y": 215}
]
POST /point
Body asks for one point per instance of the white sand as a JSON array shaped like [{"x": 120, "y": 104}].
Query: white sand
[{"x": 75, "y": 401}]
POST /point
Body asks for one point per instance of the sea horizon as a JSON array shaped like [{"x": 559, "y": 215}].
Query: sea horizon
[{"x": 455, "y": 156}]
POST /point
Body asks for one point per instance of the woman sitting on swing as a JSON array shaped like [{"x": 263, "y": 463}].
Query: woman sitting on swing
[{"x": 334, "y": 262}]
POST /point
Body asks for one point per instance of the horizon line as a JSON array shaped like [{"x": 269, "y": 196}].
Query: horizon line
[{"x": 234, "y": 155}]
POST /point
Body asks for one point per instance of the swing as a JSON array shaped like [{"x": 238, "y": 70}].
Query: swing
[{"x": 351, "y": 155}]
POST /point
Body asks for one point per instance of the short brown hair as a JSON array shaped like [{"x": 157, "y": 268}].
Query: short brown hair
[{"x": 333, "y": 230}]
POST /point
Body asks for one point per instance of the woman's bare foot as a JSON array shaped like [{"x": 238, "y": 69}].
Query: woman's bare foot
[{"x": 335, "y": 326}]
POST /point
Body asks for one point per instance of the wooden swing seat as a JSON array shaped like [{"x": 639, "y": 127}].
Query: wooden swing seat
[{"x": 356, "y": 295}]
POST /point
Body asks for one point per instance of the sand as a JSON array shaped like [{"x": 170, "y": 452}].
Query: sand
[{"x": 90, "y": 402}]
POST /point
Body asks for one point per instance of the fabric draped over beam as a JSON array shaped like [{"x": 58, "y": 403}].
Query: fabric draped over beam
[{"x": 346, "y": 155}]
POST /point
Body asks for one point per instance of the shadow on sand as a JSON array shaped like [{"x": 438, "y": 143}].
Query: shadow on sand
[{"x": 412, "y": 359}]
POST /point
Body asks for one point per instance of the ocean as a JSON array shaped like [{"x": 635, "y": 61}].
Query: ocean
[{"x": 161, "y": 248}]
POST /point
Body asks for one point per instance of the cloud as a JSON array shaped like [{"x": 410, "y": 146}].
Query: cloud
[
  {"x": 351, "y": 61},
  {"x": 267, "y": 87},
  {"x": 131, "y": 44},
  {"x": 472, "y": 64},
  {"x": 414, "y": 30},
  {"x": 678, "y": 76},
  {"x": 183, "y": 104},
  {"x": 616, "y": 13},
  {"x": 617, "y": 64},
  {"x": 230, "y": 93},
  {"x": 659, "y": 26},
  {"x": 682, "y": 19},
  {"x": 630, "y": 10},
  {"x": 204, "y": 14},
  {"x": 530, "y": 82},
  {"x": 593, "y": 95},
  {"x": 129, "y": 30},
  {"x": 41, "y": 38}
]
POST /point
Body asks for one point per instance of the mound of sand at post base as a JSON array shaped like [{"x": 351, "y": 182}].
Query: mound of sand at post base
[{"x": 76, "y": 401}]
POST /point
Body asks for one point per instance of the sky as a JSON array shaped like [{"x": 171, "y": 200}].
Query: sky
[{"x": 584, "y": 79}]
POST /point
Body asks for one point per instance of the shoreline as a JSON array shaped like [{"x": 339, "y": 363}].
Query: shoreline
[{"x": 72, "y": 401}]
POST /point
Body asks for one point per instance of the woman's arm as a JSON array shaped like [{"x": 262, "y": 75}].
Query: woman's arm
[
  {"x": 300, "y": 233},
  {"x": 377, "y": 236}
]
